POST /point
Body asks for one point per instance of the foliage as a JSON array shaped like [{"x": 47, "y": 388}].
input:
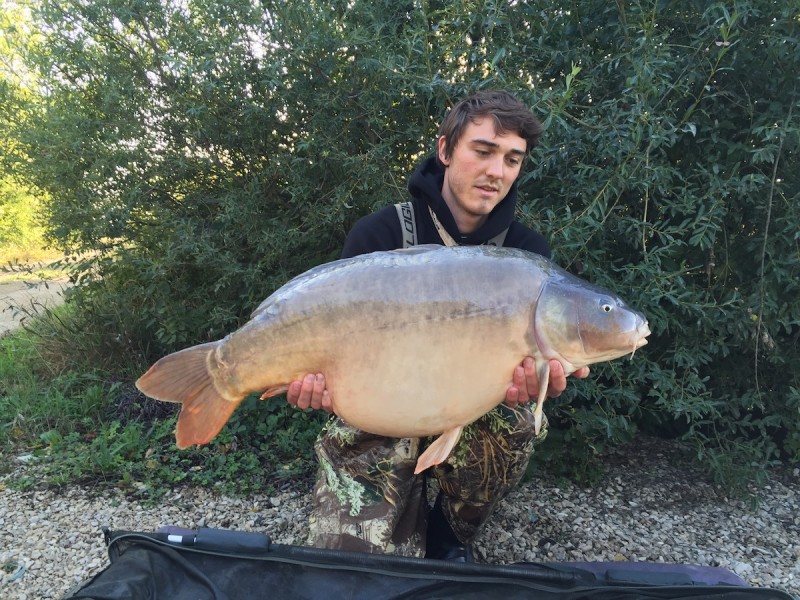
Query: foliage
[
  {"x": 21, "y": 208},
  {"x": 67, "y": 423},
  {"x": 205, "y": 152},
  {"x": 142, "y": 460},
  {"x": 686, "y": 199},
  {"x": 30, "y": 408},
  {"x": 20, "y": 227}
]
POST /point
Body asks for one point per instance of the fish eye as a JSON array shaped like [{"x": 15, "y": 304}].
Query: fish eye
[{"x": 606, "y": 308}]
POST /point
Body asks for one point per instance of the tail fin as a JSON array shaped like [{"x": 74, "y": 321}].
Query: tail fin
[{"x": 184, "y": 377}]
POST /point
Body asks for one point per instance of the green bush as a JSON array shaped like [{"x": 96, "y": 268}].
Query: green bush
[
  {"x": 206, "y": 152},
  {"x": 21, "y": 228}
]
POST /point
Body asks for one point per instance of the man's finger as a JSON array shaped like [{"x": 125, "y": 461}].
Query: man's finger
[
  {"x": 519, "y": 379},
  {"x": 558, "y": 381},
  {"x": 581, "y": 373},
  {"x": 512, "y": 396},
  {"x": 293, "y": 393},
  {"x": 327, "y": 403},
  {"x": 306, "y": 389},
  {"x": 531, "y": 377},
  {"x": 317, "y": 391}
]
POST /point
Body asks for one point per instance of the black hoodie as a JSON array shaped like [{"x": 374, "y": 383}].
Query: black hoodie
[{"x": 381, "y": 230}]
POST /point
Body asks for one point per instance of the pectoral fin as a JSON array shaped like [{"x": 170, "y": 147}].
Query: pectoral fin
[
  {"x": 274, "y": 391},
  {"x": 439, "y": 449},
  {"x": 543, "y": 371}
]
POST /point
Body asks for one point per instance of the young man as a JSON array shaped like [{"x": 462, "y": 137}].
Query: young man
[{"x": 367, "y": 497}]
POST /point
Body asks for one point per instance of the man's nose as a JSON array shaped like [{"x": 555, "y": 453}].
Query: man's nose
[{"x": 494, "y": 168}]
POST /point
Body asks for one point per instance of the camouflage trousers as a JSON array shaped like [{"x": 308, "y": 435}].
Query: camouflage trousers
[{"x": 368, "y": 499}]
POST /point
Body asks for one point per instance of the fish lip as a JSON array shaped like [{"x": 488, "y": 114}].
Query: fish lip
[{"x": 643, "y": 331}]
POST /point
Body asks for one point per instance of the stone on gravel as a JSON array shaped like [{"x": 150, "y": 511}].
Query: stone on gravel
[{"x": 650, "y": 506}]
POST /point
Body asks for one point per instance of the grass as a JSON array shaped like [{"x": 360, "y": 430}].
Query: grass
[
  {"x": 30, "y": 267},
  {"x": 28, "y": 254},
  {"x": 36, "y": 401},
  {"x": 91, "y": 427}
]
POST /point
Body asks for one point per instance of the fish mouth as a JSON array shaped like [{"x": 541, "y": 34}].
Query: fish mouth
[{"x": 642, "y": 332}]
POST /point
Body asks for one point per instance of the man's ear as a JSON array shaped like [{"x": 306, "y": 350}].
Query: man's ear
[{"x": 442, "y": 147}]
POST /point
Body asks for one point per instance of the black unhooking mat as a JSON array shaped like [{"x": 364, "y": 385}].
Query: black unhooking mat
[{"x": 221, "y": 564}]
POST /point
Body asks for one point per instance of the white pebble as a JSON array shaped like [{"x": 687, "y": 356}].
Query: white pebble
[{"x": 651, "y": 505}]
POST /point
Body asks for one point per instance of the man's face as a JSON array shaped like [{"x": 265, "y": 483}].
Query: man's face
[{"x": 480, "y": 171}]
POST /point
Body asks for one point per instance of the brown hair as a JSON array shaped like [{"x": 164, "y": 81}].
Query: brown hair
[{"x": 509, "y": 114}]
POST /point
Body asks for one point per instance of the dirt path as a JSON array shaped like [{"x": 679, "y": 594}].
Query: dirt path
[{"x": 20, "y": 300}]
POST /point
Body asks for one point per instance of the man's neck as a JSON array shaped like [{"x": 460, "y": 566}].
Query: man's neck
[{"x": 466, "y": 222}]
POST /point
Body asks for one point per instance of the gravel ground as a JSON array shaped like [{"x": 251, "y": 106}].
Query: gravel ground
[{"x": 648, "y": 507}]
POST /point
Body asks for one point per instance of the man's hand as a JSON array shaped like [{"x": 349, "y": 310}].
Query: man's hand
[
  {"x": 525, "y": 382},
  {"x": 310, "y": 393}
]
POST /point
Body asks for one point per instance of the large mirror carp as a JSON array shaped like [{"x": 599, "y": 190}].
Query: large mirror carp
[{"x": 412, "y": 343}]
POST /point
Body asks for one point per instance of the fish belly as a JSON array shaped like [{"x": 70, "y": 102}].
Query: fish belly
[{"x": 424, "y": 379}]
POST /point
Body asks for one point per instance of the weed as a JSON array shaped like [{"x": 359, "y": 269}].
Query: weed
[
  {"x": 84, "y": 428},
  {"x": 31, "y": 270}
]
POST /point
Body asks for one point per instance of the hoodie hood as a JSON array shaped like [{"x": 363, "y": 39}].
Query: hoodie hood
[{"x": 426, "y": 184}]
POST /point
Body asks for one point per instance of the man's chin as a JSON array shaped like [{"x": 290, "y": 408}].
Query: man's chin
[{"x": 482, "y": 207}]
